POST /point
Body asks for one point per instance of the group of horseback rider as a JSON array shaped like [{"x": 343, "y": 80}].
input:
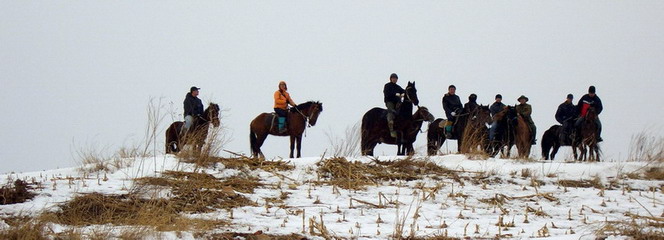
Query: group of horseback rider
[
  {"x": 569, "y": 115},
  {"x": 193, "y": 106}
]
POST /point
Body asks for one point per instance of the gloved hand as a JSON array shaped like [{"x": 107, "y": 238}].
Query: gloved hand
[
  {"x": 453, "y": 114},
  {"x": 399, "y": 94}
]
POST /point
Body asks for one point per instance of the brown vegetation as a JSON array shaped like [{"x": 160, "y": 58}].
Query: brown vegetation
[{"x": 16, "y": 192}]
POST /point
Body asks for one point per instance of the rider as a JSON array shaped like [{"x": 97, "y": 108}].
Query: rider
[
  {"x": 281, "y": 101},
  {"x": 565, "y": 115},
  {"x": 590, "y": 99},
  {"x": 452, "y": 106},
  {"x": 392, "y": 97},
  {"x": 495, "y": 108},
  {"x": 525, "y": 110},
  {"x": 193, "y": 107},
  {"x": 471, "y": 105}
]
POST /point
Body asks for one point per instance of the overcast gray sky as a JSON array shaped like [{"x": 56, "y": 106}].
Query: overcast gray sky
[{"x": 80, "y": 73}]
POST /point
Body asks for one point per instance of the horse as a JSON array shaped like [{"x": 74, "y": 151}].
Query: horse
[
  {"x": 374, "y": 129},
  {"x": 523, "y": 138},
  {"x": 551, "y": 142},
  {"x": 470, "y": 130},
  {"x": 176, "y": 139},
  {"x": 504, "y": 137},
  {"x": 297, "y": 119},
  {"x": 586, "y": 139}
]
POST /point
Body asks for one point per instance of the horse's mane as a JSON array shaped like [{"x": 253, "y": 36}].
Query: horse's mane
[{"x": 306, "y": 105}]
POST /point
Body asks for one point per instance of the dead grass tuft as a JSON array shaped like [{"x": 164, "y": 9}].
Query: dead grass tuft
[
  {"x": 593, "y": 183},
  {"x": 357, "y": 175},
  {"x": 259, "y": 235},
  {"x": 126, "y": 209},
  {"x": 24, "y": 229},
  {"x": 202, "y": 192},
  {"x": 654, "y": 173},
  {"x": 241, "y": 163},
  {"x": 16, "y": 192}
]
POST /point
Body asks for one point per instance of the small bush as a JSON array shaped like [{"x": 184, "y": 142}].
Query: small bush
[{"x": 17, "y": 192}]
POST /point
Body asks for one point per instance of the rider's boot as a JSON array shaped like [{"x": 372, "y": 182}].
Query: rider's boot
[
  {"x": 282, "y": 124},
  {"x": 393, "y": 133}
]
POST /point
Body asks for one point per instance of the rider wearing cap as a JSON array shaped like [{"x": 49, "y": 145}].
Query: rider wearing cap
[
  {"x": 495, "y": 108},
  {"x": 193, "y": 107},
  {"x": 392, "y": 97},
  {"x": 525, "y": 110},
  {"x": 565, "y": 115},
  {"x": 281, "y": 101},
  {"x": 590, "y": 99},
  {"x": 452, "y": 106}
]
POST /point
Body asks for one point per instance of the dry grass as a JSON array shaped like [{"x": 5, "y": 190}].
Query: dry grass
[
  {"x": 201, "y": 192},
  {"x": 126, "y": 209},
  {"x": 24, "y": 228},
  {"x": 241, "y": 163},
  {"x": 638, "y": 228},
  {"x": 259, "y": 235},
  {"x": 357, "y": 175},
  {"x": 16, "y": 192},
  {"x": 593, "y": 183}
]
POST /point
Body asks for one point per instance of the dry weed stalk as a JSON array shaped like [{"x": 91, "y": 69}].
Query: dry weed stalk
[{"x": 349, "y": 145}]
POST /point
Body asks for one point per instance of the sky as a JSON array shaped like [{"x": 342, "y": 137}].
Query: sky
[{"x": 80, "y": 74}]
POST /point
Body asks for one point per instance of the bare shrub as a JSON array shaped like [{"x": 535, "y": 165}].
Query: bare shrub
[
  {"x": 647, "y": 148},
  {"x": 644, "y": 147},
  {"x": 214, "y": 142},
  {"x": 348, "y": 145}
]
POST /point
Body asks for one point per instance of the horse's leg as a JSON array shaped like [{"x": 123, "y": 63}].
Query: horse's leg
[
  {"x": 260, "y": 139},
  {"x": 292, "y": 145},
  {"x": 298, "y": 140}
]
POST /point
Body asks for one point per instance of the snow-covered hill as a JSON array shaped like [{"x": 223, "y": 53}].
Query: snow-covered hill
[{"x": 474, "y": 198}]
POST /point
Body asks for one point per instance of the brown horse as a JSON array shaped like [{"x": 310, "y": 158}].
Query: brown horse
[
  {"x": 586, "y": 139},
  {"x": 375, "y": 129},
  {"x": 523, "y": 139},
  {"x": 265, "y": 124},
  {"x": 197, "y": 133},
  {"x": 512, "y": 129},
  {"x": 470, "y": 130}
]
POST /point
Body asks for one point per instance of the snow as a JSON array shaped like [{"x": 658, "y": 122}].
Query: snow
[{"x": 581, "y": 210}]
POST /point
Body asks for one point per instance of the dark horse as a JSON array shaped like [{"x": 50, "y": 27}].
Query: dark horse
[
  {"x": 470, "y": 130},
  {"x": 406, "y": 124},
  {"x": 197, "y": 133},
  {"x": 586, "y": 139},
  {"x": 264, "y": 124},
  {"x": 551, "y": 142}
]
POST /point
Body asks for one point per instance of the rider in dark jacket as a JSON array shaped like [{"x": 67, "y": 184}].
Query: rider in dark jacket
[
  {"x": 566, "y": 115},
  {"x": 471, "y": 105},
  {"x": 495, "y": 108},
  {"x": 590, "y": 99},
  {"x": 193, "y": 107},
  {"x": 452, "y": 106},
  {"x": 392, "y": 97}
]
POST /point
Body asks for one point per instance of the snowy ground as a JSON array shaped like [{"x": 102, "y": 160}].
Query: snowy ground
[{"x": 532, "y": 202}]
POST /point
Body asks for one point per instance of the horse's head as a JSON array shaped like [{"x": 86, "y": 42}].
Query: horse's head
[
  {"x": 483, "y": 114},
  {"x": 423, "y": 114},
  {"x": 311, "y": 110},
  {"x": 212, "y": 114},
  {"x": 411, "y": 93},
  {"x": 591, "y": 114}
]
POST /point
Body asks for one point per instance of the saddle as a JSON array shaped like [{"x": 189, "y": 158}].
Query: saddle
[{"x": 273, "y": 122}]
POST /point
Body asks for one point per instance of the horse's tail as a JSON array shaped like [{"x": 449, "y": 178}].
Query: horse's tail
[
  {"x": 253, "y": 142},
  {"x": 548, "y": 139}
]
